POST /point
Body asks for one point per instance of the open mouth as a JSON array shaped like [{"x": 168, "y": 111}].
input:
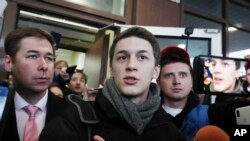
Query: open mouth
[
  {"x": 217, "y": 80},
  {"x": 130, "y": 80},
  {"x": 77, "y": 87}
]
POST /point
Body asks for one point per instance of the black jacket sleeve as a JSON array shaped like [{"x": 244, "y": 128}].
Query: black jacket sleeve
[{"x": 65, "y": 128}]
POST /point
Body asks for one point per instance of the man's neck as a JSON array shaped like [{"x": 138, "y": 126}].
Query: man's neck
[
  {"x": 31, "y": 98},
  {"x": 175, "y": 104}
]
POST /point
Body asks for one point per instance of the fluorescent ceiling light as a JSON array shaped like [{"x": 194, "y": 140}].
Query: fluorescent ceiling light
[
  {"x": 231, "y": 29},
  {"x": 59, "y": 20}
]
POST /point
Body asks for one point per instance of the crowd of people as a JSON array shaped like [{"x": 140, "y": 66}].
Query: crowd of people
[{"x": 128, "y": 107}]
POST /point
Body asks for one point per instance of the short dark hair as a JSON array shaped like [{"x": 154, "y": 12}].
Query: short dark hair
[
  {"x": 140, "y": 33},
  {"x": 12, "y": 41},
  {"x": 81, "y": 72}
]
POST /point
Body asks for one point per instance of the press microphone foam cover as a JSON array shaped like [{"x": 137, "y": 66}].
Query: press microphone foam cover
[{"x": 211, "y": 133}]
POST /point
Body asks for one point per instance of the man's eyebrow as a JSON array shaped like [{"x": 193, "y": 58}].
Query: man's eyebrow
[
  {"x": 32, "y": 51},
  {"x": 122, "y": 52},
  {"x": 182, "y": 71},
  {"x": 143, "y": 51},
  {"x": 35, "y": 51},
  {"x": 168, "y": 73},
  {"x": 125, "y": 52}
]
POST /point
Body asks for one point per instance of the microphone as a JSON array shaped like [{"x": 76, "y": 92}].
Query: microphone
[{"x": 211, "y": 133}]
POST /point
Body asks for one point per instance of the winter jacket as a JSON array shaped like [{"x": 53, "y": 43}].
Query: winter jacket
[{"x": 111, "y": 126}]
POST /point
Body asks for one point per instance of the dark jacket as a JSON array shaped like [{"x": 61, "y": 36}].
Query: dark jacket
[
  {"x": 111, "y": 126},
  {"x": 9, "y": 132}
]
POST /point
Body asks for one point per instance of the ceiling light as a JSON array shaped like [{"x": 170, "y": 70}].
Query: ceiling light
[
  {"x": 55, "y": 19},
  {"x": 231, "y": 29}
]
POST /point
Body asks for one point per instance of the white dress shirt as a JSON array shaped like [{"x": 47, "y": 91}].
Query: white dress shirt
[{"x": 22, "y": 116}]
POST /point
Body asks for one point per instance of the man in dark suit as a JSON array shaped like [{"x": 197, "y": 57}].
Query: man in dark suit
[{"x": 29, "y": 59}]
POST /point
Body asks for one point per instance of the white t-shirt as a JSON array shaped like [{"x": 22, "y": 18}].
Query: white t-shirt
[{"x": 172, "y": 111}]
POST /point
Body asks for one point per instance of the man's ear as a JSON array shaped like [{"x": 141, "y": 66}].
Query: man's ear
[
  {"x": 7, "y": 63},
  {"x": 156, "y": 72}
]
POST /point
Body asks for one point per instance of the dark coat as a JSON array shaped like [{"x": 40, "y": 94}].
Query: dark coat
[
  {"x": 9, "y": 132},
  {"x": 111, "y": 126}
]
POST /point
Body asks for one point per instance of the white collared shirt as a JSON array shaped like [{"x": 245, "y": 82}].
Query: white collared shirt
[{"x": 22, "y": 116}]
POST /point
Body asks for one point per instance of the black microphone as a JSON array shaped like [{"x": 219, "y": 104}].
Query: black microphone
[{"x": 211, "y": 133}]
